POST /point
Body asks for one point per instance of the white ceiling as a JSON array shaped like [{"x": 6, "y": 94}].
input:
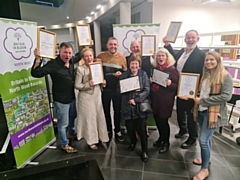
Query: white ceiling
[{"x": 77, "y": 10}]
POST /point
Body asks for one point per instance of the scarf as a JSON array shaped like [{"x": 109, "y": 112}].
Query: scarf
[
  {"x": 213, "y": 111},
  {"x": 155, "y": 86}
]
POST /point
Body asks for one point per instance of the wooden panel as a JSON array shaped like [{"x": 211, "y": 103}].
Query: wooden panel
[{"x": 230, "y": 40}]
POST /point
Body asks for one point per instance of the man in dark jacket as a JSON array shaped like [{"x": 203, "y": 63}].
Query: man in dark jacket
[
  {"x": 188, "y": 60},
  {"x": 146, "y": 65},
  {"x": 62, "y": 73}
]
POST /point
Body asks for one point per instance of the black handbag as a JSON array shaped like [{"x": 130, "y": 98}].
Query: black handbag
[{"x": 145, "y": 106}]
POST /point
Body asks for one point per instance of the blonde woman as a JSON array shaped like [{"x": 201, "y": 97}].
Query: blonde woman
[
  {"x": 215, "y": 90},
  {"x": 162, "y": 98},
  {"x": 90, "y": 123}
]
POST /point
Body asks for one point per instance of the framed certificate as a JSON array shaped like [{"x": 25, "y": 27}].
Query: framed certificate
[
  {"x": 96, "y": 72},
  {"x": 46, "y": 43},
  {"x": 188, "y": 85},
  {"x": 173, "y": 31},
  {"x": 160, "y": 77},
  {"x": 148, "y": 43},
  {"x": 129, "y": 84},
  {"x": 83, "y": 34}
]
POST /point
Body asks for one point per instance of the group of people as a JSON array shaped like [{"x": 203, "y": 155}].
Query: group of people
[{"x": 93, "y": 122}]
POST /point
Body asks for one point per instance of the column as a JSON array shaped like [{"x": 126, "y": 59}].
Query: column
[
  {"x": 97, "y": 37},
  {"x": 125, "y": 12}
]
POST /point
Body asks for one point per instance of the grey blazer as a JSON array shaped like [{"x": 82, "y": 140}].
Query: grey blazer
[{"x": 224, "y": 96}]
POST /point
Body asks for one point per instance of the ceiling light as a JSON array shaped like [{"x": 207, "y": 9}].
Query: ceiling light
[
  {"x": 98, "y": 6},
  {"x": 87, "y": 17},
  {"x": 67, "y": 17},
  {"x": 92, "y": 13},
  {"x": 209, "y": 1}
]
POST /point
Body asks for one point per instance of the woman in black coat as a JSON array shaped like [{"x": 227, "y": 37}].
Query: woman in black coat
[{"x": 135, "y": 120}]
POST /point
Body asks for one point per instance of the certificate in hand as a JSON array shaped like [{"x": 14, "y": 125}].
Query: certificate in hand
[
  {"x": 188, "y": 85},
  {"x": 160, "y": 77},
  {"x": 96, "y": 72},
  {"x": 129, "y": 84},
  {"x": 173, "y": 31}
]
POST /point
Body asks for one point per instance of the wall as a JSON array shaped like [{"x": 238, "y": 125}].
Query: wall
[
  {"x": 205, "y": 18},
  {"x": 145, "y": 10}
]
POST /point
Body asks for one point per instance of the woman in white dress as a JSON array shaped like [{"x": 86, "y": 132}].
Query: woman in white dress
[{"x": 90, "y": 123}]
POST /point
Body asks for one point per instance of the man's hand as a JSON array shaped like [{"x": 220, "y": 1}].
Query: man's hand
[
  {"x": 117, "y": 74},
  {"x": 169, "y": 82},
  {"x": 97, "y": 60},
  {"x": 165, "y": 41},
  {"x": 132, "y": 102},
  {"x": 37, "y": 54},
  {"x": 104, "y": 82},
  {"x": 183, "y": 97}
]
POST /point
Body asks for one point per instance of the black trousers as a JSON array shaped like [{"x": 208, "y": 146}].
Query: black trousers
[
  {"x": 107, "y": 96},
  {"x": 163, "y": 128},
  {"x": 186, "y": 124},
  {"x": 139, "y": 126}
]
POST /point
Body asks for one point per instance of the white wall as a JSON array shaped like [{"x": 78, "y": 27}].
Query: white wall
[
  {"x": 205, "y": 18},
  {"x": 145, "y": 10}
]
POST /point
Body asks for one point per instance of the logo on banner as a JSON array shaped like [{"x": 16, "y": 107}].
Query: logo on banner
[
  {"x": 18, "y": 43},
  {"x": 132, "y": 35}
]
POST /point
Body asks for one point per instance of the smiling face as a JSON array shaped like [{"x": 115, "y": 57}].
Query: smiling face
[
  {"x": 112, "y": 46},
  {"x": 88, "y": 56},
  {"x": 135, "y": 48},
  {"x": 161, "y": 58},
  {"x": 65, "y": 53},
  {"x": 134, "y": 66},
  {"x": 210, "y": 62},
  {"x": 191, "y": 39}
]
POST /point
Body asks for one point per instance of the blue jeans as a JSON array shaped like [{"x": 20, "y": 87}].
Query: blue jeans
[
  {"x": 66, "y": 114},
  {"x": 205, "y": 138}
]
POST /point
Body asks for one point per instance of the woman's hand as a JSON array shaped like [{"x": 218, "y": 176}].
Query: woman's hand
[
  {"x": 151, "y": 80},
  {"x": 104, "y": 82},
  {"x": 132, "y": 102},
  {"x": 91, "y": 83},
  {"x": 197, "y": 100},
  {"x": 168, "y": 82},
  {"x": 154, "y": 55},
  {"x": 37, "y": 55}
]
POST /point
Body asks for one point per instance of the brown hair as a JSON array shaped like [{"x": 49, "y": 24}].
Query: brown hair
[
  {"x": 135, "y": 58},
  {"x": 66, "y": 45}
]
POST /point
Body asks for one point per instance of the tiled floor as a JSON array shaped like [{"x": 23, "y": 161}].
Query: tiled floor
[{"x": 116, "y": 163}]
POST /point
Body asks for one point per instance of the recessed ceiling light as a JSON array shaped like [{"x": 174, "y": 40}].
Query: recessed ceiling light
[
  {"x": 98, "y": 6},
  {"x": 67, "y": 17},
  {"x": 92, "y": 13},
  {"x": 87, "y": 17}
]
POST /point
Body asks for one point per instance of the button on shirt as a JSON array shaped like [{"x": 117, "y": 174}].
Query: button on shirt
[{"x": 182, "y": 60}]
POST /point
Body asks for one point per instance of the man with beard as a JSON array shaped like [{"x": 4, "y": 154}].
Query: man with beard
[
  {"x": 113, "y": 66},
  {"x": 188, "y": 60}
]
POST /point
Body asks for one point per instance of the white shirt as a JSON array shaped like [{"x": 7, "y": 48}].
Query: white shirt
[
  {"x": 182, "y": 60},
  {"x": 204, "y": 93}
]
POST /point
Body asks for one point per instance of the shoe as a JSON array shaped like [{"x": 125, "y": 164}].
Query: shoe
[
  {"x": 69, "y": 149},
  {"x": 164, "y": 148},
  {"x": 180, "y": 134},
  {"x": 198, "y": 161},
  {"x": 201, "y": 175},
  {"x": 158, "y": 143},
  {"x": 187, "y": 144},
  {"x": 119, "y": 137},
  {"x": 131, "y": 147},
  {"x": 144, "y": 157},
  {"x": 72, "y": 137},
  {"x": 93, "y": 147}
]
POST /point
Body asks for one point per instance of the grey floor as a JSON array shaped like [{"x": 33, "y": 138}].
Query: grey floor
[{"x": 117, "y": 163}]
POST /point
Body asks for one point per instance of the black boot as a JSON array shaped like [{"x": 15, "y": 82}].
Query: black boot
[
  {"x": 158, "y": 143},
  {"x": 131, "y": 147},
  {"x": 164, "y": 148},
  {"x": 144, "y": 157}
]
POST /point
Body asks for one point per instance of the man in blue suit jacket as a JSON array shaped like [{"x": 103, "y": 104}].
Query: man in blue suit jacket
[{"x": 188, "y": 60}]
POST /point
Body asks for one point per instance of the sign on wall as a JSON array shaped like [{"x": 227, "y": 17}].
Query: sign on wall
[
  {"x": 126, "y": 33},
  {"x": 24, "y": 98}
]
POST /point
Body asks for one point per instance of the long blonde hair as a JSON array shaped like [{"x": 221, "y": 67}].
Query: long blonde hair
[
  {"x": 219, "y": 73},
  {"x": 170, "y": 59}
]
